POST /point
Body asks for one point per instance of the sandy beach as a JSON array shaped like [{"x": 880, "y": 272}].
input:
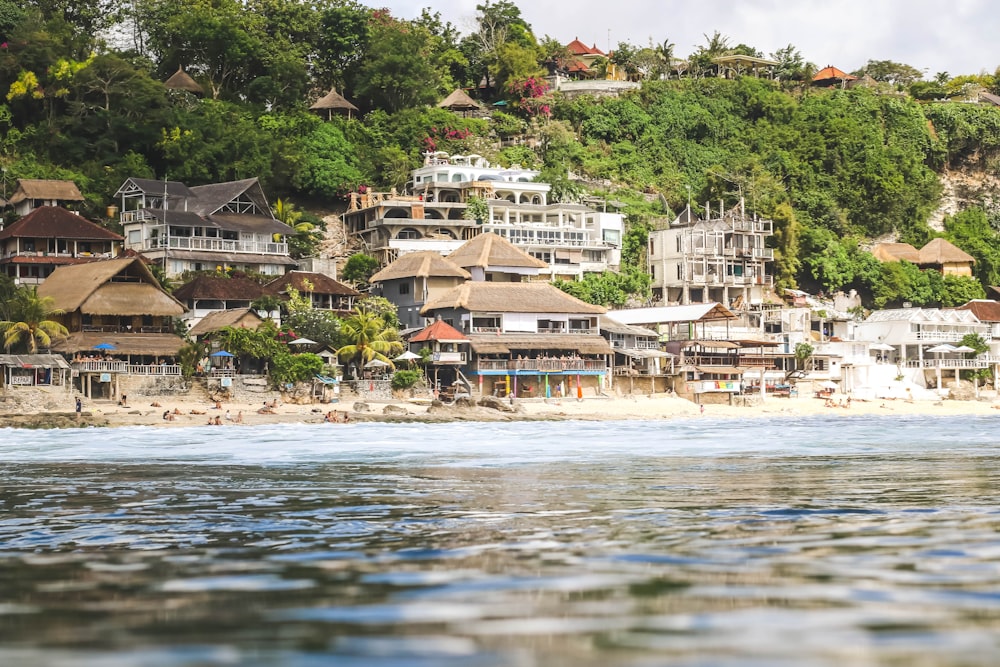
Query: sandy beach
[{"x": 179, "y": 411}]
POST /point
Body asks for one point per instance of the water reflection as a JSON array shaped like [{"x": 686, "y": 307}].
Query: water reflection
[{"x": 606, "y": 558}]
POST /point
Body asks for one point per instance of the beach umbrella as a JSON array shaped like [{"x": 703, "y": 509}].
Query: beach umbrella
[
  {"x": 407, "y": 356},
  {"x": 376, "y": 363},
  {"x": 104, "y": 346},
  {"x": 964, "y": 349},
  {"x": 222, "y": 353},
  {"x": 882, "y": 347},
  {"x": 943, "y": 347},
  {"x": 827, "y": 384},
  {"x": 302, "y": 341}
]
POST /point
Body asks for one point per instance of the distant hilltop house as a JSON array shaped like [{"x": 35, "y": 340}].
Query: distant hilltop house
[
  {"x": 830, "y": 77},
  {"x": 938, "y": 254},
  {"x": 205, "y": 227},
  {"x": 587, "y": 70},
  {"x": 572, "y": 239},
  {"x": 49, "y": 237},
  {"x": 31, "y": 193}
]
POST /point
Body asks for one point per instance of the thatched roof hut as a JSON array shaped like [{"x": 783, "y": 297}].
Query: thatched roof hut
[
  {"x": 181, "y": 80},
  {"x": 424, "y": 264},
  {"x": 460, "y": 101},
  {"x": 536, "y": 297},
  {"x": 333, "y": 102},
  {"x": 120, "y": 287},
  {"x": 491, "y": 251}
]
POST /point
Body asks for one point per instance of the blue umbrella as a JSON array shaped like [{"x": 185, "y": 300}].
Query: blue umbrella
[
  {"x": 222, "y": 353},
  {"x": 104, "y": 346}
]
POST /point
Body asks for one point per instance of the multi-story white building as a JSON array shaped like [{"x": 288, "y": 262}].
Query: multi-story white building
[
  {"x": 573, "y": 239},
  {"x": 718, "y": 259}
]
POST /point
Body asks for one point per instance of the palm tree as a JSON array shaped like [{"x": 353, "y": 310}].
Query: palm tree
[
  {"x": 30, "y": 322},
  {"x": 370, "y": 338}
]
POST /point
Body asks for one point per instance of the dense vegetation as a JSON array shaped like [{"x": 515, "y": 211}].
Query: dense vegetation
[{"x": 83, "y": 99}]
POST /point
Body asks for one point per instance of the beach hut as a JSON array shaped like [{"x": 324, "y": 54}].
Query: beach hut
[
  {"x": 181, "y": 80},
  {"x": 460, "y": 102}
]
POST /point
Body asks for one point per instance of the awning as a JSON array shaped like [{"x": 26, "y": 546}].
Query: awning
[
  {"x": 646, "y": 354},
  {"x": 721, "y": 370},
  {"x": 719, "y": 344},
  {"x": 484, "y": 347},
  {"x": 155, "y": 345},
  {"x": 33, "y": 361}
]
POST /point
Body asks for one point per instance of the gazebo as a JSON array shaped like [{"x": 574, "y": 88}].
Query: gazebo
[
  {"x": 460, "y": 102},
  {"x": 181, "y": 80},
  {"x": 333, "y": 102}
]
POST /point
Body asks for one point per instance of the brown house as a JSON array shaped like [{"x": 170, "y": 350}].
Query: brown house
[
  {"x": 207, "y": 293},
  {"x": 946, "y": 257},
  {"x": 49, "y": 237},
  {"x": 117, "y": 303},
  {"x": 31, "y": 193},
  {"x": 324, "y": 292}
]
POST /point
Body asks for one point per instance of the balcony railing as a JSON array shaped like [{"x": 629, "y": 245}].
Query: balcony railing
[
  {"x": 948, "y": 363},
  {"x": 126, "y": 368},
  {"x": 57, "y": 255},
  {"x": 951, "y": 336},
  {"x": 216, "y": 245},
  {"x": 449, "y": 357},
  {"x": 542, "y": 365},
  {"x": 114, "y": 328}
]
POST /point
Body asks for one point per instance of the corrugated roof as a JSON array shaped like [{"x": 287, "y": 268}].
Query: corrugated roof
[
  {"x": 511, "y": 298},
  {"x": 939, "y": 251},
  {"x": 439, "y": 331},
  {"x": 318, "y": 283},
  {"x": 54, "y": 222},
  {"x": 238, "y": 318},
  {"x": 929, "y": 315},
  {"x": 424, "y": 264},
  {"x": 985, "y": 310},
  {"x": 695, "y": 312},
  {"x": 33, "y": 361},
  {"x": 125, "y": 344},
  {"x": 222, "y": 288},
  {"x": 613, "y": 326},
  {"x": 37, "y": 188},
  {"x": 505, "y": 343},
  {"x": 492, "y": 250}
]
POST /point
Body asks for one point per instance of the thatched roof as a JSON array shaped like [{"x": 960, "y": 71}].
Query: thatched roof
[
  {"x": 938, "y": 251},
  {"x": 489, "y": 250},
  {"x": 424, "y": 264},
  {"x": 220, "y": 288},
  {"x": 506, "y": 343},
  {"x": 181, "y": 80},
  {"x": 459, "y": 100},
  {"x": 309, "y": 282},
  {"x": 333, "y": 100},
  {"x": 237, "y": 318},
  {"x": 34, "y": 188},
  {"x": 511, "y": 298},
  {"x": 895, "y": 252},
  {"x": 110, "y": 287},
  {"x": 156, "y": 345},
  {"x": 439, "y": 331},
  {"x": 54, "y": 222}
]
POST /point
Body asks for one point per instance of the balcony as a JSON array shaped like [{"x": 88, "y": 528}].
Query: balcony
[
  {"x": 449, "y": 358},
  {"x": 948, "y": 363},
  {"x": 542, "y": 365},
  {"x": 215, "y": 245},
  {"x": 125, "y": 368}
]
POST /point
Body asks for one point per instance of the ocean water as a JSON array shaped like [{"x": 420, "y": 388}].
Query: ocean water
[{"x": 823, "y": 541}]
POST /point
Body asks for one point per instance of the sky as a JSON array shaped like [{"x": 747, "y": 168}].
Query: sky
[{"x": 958, "y": 36}]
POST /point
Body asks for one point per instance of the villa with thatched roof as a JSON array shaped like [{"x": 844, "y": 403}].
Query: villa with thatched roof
[
  {"x": 51, "y": 236},
  {"x": 945, "y": 257},
  {"x": 333, "y": 103},
  {"x": 207, "y": 293},
  {"x": 114, "y": 308},
  {"x": 237, "y": 318},
  {"x": 413, "y": 280},
  {"x": 219, "y": 226},
  {"x": 31, "y": 193},
  {"x": 526, "y": 337},
  {"x": 491, "y": 257}
]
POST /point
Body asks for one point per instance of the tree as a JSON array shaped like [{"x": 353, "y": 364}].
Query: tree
[
  {"x": 369, "y": 338},
  {"x": 400, "y": 71},
  {"x": 897, "y": 74},
  {"x": 30, "y": 325},
  {"x": 359, "y": 268},
  {"x": 787, "y": 261},
  {"x": 791, "y": 65}
]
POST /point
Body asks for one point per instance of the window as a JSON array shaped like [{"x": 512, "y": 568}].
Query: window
[
  {"x": 404, "y": 288},
  {"x": 652, "y": 247},
  {"x": 652, "y": 271}
]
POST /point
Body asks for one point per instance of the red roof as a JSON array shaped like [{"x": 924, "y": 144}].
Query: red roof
[
  {"x": 309, "y": 282},
  {"x": 52, "y": 260},
  {"x": 439, "y": 330},
  {"x": 53, "y": 222},
  {"x": 578, "y": 48},
  {"x": 985, "y": 310},
  {"x": 831, "y": 72}
]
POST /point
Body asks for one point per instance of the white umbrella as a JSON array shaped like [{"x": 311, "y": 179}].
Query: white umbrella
[
  {"x": 407, "y": 356},
  {"x": 881, "y": 347},
  {"x": 376, "y": 363},
  {"x": 828, "y": 384},
  {"x": 943, "y": 347},
  {"x": 302, "y": 341},
  {"x": 964, "y": 348}
]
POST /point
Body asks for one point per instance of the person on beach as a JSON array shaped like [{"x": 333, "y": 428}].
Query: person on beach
[
  {"x": 239, "y": 417},
  {"x": 79, "y": 405}
]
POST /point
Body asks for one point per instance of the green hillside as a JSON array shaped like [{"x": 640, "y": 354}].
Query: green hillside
[{"x": 83, "y": 99}]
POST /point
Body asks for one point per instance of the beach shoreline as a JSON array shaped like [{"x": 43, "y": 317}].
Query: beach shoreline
[{"x": 179, "y": 411}]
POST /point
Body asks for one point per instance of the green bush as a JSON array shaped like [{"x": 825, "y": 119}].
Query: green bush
[
  {"x": 405, "y": 379},
  {"x": 286, "y": 368}
]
